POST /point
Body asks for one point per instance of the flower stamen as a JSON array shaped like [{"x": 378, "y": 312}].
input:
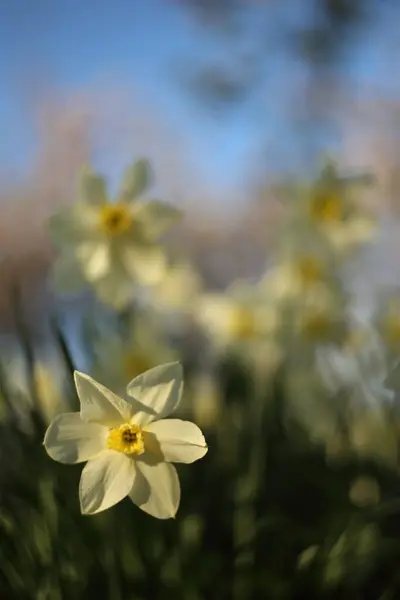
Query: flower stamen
[
  {"x": 326, "y": 207},
  {"x": 115, "y": 219},
  {"x": 127, "y": 438}
]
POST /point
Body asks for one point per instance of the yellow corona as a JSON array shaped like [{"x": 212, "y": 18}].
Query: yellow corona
[
  {"x": 127, "y": 438},
  {"x": 326, "y": 207},
  {"x": 116, "y": 219}
]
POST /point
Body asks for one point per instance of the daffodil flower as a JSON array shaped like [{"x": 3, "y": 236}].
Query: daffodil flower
[
  {"x": 240, "y": 315},
  {"x": 140, "y": 346},
  {"x": 128, "y": 443},
  {"x": 111, "y": 245},
  {"x": 331, "y": 205}
]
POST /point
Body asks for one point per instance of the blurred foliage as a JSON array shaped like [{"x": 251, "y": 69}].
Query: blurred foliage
[
  {"x": 322, "y": 33},
  {"x": 284, "y": 530}
]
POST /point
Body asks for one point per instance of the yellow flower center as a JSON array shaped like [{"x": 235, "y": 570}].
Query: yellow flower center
[
  {"x": 317, "y": 326},
  {"x": 309, "y": 270},
  {"x": 127, "y": 438},
  {"x": 326, "y": 207},
  {"x": 115, "y": 219},
  {"x": 135, "y": 363},
  {"x": 243, "y": 324}
]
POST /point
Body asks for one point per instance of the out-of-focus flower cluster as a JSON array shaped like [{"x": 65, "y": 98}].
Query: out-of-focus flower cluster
[
  {"x": 297, "y": 319},
  {"x": 290, "y": 343}
]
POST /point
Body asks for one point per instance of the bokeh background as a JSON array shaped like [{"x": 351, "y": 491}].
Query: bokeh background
[
  {"x": 223, "y": 97},
  {"x": 227, "y": 99}
]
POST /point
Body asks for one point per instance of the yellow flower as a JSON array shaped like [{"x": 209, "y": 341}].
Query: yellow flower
[{"x": 128, "y": 444}]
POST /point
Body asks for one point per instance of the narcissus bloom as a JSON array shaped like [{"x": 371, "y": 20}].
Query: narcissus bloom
[
  {"x": 111, "y": 244},
  {"x": 241, "y": 322},
  {"x": 120, "y": 356},
  {"x": 333, "y": 207},
  {"x": 128, "y": 444}
]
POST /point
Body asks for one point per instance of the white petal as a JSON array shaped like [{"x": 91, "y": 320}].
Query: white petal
[
  {"x": 105, "y": 480},
  {"x": 156, "y": 393},
  {"x": 135, "y": 180},
  {"x": 115, "y": 288},
  {"x": 174, "y": 440},
  {"x": 157, "y": 492},
  {"x": 144, "y": 262},
  {"x": 99, "y": 404},
  {"x": 95, "y": 258},
  {"x": 156, "y": 217},
  {"x": 92, "y": 188},
  {"x": 69, "y": 440}
]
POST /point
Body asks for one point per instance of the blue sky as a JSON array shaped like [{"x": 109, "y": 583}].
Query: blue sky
[{"x": 145, "y": 43}]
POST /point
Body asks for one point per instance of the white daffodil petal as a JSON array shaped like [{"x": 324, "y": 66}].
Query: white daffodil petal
[
  {"x": 70, "y": 440},
  {"x": 156, "y": 393},
  {"x": 159, "y": 495},
  {"x": 144, "y": 262},
  {"x": 105, "y": 481},
  {"x": 99, "y": 404},
  {"x": 135, "y": 181},
  {"x": 156, "y": 217},
  {"x": 94, "y": 258},
  {"x": 115, "y": 288},
  {"x": 92, "y": 188},
  {"x": 174, "y": 440}
]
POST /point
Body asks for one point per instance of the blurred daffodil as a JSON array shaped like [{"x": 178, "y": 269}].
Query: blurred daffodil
[
  {"x": 128, "y": 443},
  {"x": 331, "y": 204},
  {"x": 48, "y": 391},
  {"x": 111, "y": 245},
  {"x": 178, "y": 289},
  {"x": 313, "y": 320},
  {"x": 242, "y": 322},
  {"x": 306, "y": 287},
  {"x": 206, "y": 399},
  {"x": 239, "y": 315},
  {"x": 122, "y": 356}
]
